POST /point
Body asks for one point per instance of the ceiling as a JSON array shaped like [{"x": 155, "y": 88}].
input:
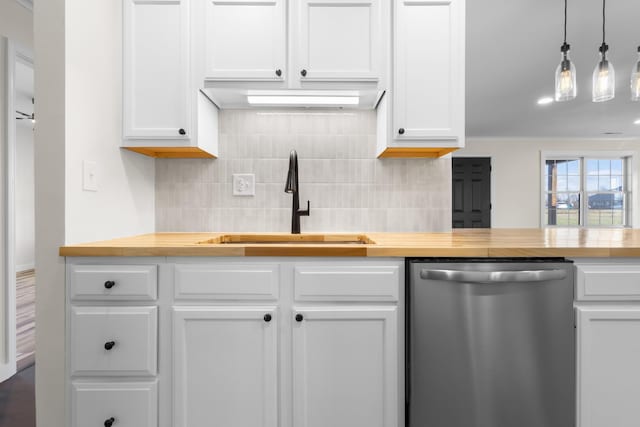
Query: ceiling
[{"x": 513, "y": 49}]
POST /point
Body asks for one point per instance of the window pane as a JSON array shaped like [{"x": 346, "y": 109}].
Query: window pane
[
  {"x": 616, "y": 183},
  {"x": 592, "y": 167},
  {"x": 604, "y": 183},
  {"x": 574, "y": 183},
  {"x": 604, "y": 167},
  {"x": 562, "y": 167},
  {"x": 562, "y": 209},
  {"x": 616, "y": 167},
  {"x": 592, "y": 183},
  {"x": 562, "y": 184},
  {"x": 574, "y": 167},
  {"x": 605, "y": 209}
]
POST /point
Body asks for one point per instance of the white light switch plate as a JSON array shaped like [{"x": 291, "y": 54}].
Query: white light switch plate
[
  {"x": 89, "y": 176},
  {"x": 244, "y": 184}
]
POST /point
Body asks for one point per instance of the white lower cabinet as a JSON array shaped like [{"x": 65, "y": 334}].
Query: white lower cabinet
[
  {"x": 608, "y": 342},
  {"x": 126, "y": 404},
  {"x": 235, "y": 342},
  {"x": 225, "y": 366},
  {"x": 345, "y": 367},
  {"x": 608, "y": 366}
]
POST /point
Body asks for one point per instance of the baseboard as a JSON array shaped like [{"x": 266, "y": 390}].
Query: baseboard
[{"x": 25, "y": 267}]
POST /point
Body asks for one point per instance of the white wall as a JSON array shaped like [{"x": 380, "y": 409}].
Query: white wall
[
  {"x": 516, "y": 174},
  {"x": 78, "y": 96},
  {"x": 25, "y": 192},
  {"x": 124, "y": 202},
  {"x": 16, "y": 23}
]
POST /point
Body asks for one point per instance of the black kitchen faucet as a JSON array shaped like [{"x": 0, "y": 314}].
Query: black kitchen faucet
[{"x": 292, "y": 187}]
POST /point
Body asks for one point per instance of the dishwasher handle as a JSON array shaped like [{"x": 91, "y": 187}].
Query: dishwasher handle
[{"x": 493, "y": 276}]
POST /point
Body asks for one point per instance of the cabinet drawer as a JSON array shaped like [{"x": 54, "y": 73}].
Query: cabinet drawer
[
  {"x": 113, "y": 340},
  {"x": 227, "y": 281},
  {"x": 347, "y": 283},
  {"x": 113, "y": 282},
  {"x": 129, "y": 404},
  {"x": 608, "y": 282}
]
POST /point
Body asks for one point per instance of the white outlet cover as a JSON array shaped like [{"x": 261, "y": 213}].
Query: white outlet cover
[
  {"x": 244, "y": 184},
  {"x": 89, "y": 176}
]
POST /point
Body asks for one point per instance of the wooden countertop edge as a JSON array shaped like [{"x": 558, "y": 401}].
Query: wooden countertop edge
[{"x": 343, "y": 251}]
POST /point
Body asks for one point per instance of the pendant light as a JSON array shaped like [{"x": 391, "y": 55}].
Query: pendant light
[
  {"x": 635, "y": 80},
  {"x": 566, "y": 88},
  {"x": 604, "y": 79}
]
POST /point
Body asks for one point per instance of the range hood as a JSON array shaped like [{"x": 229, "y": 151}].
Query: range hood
[{"x": 235, "y": 98}]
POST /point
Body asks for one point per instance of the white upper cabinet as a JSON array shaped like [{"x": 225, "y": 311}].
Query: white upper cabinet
[
  {"x": 428, "y": 101},
  {"x": 429, "y": 70},
  {"x": 327, "y": 41},
  {"x": 156, "y": 67},
  {"x": 338, "y": 40},
  {"x": 245, "y": 39}
]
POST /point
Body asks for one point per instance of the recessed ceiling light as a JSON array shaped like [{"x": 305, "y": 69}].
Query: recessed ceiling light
[
  {"x": 545, "y": 100},
  {"x": 637, "y": 122}
]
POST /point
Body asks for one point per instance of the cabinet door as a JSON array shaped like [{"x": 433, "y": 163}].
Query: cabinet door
[
  {"x": 608, "y": 366},
  {"x": 245, "y": 39},
  {"x": 156, "y": 67},
  {"x": 345, "y": 367},
  {"x": 225, "y": 367},
  {"x": 339, "y": 40},
  {"x": 429, "y": 70}
]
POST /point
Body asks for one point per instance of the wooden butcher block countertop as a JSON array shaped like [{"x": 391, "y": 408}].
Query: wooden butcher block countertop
[{"x": 550, "y": 242}]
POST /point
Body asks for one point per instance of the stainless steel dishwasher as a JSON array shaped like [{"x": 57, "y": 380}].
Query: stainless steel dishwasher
[{"x": 490, "y": 343}]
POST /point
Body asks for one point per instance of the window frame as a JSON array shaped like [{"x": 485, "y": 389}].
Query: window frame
[{"x": 627, "y": 158}]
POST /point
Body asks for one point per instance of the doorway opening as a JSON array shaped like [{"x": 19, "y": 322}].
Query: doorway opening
[
  {"x": 24, "y": 210},
  {"x": 471, "y": 192}
]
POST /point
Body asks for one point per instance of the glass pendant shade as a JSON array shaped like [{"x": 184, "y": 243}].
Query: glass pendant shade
[
  {"x": 635, "y": 80},
  {"x": 604, "y": 79},
  {"x": 566, "y": 88}
]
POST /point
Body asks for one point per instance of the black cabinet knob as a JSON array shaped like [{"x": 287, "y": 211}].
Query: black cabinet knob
[
  {"x": 299, "y": 317},
  {"x": 267, "y": 317},
  {"x": 109, "y": 345},
  {"x": 109, "y": 422},
  {"x": 278, "y": 72},
  {"x": 303, "y": 73},
  {"x": 401, "y": 131},
  {"x": 182, "y": 132},
  {"x": 109, "y": 284}
]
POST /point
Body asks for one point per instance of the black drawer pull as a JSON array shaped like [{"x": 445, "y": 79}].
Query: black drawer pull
[
  {"x": 303, "y": 73},
  {"x": 109, "y": 284},
  {"x": 401, "y": 131},
  {"x": 182, "y": 132},
  {"x": 299, "y": 317},
  {"x": 278, "y": 72},
  {"x": 109, "y": 422},
  {"x": 109, "y": 345},
  {"x": 267, "y": 317}
]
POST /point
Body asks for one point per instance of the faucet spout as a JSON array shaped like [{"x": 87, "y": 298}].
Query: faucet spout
[{"x": 292, "y": 187}]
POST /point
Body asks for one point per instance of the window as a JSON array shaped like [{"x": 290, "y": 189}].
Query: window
[{"x": 586, "y": 191}]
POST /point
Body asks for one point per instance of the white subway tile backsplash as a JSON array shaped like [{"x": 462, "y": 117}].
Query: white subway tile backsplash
[{"x": 349, "y": 189}]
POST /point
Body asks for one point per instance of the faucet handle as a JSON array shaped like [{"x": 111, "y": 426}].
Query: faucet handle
[{"x": 305, "y": 213}]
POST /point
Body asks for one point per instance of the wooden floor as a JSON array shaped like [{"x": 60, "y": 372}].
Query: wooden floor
[
  {"x": 18, "y": 400},
  {"x": 26, "y": 318}
]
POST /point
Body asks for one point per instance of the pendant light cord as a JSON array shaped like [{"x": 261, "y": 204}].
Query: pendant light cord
[
  {"x": 565, "y": 21},
  {"x": 603, "y": 20}
]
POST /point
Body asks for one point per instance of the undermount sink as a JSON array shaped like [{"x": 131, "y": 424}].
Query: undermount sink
[{"x": 286, "y": 239}]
